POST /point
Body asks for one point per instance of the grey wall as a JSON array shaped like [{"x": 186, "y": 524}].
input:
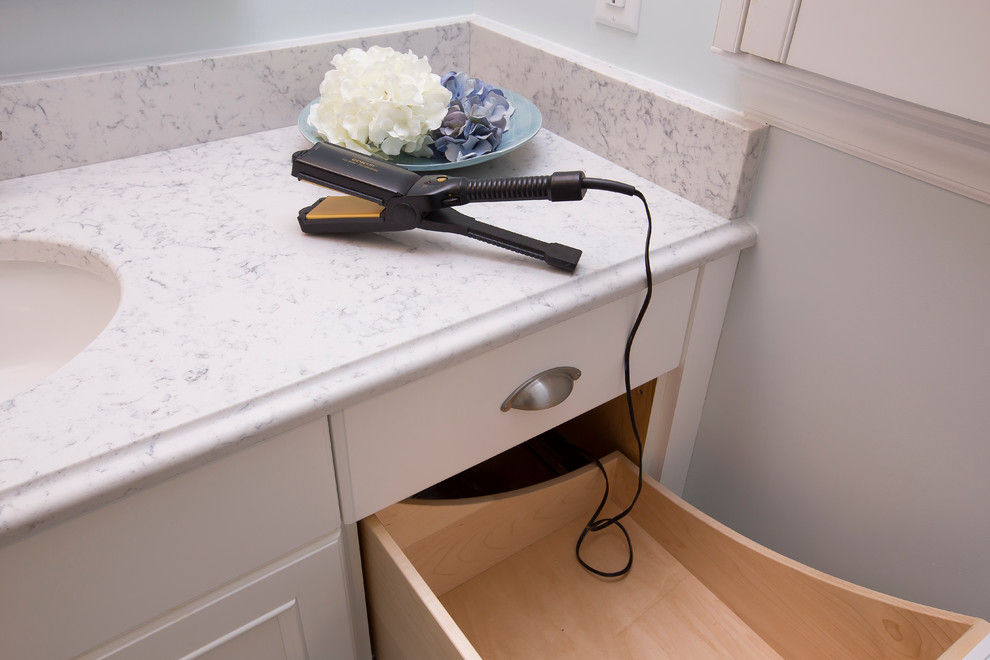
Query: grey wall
[
  {"x": 847, "y": 423},
  {"x": 673, "y": 44}
]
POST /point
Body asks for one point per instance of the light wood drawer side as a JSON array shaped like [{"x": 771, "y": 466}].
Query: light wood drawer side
[
  {"x": 496, "y": 577},
  {"x": 396, "y": 444}
]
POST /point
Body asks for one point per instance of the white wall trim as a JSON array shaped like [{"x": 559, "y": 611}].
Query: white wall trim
[
  {"x": 697, "y": 360},
  {"x": 936, "y": 147}
]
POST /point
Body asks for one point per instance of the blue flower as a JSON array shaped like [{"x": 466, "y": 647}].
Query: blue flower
[{"x": 477, "y": 116}]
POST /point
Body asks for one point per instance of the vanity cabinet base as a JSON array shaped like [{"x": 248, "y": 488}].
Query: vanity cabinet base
[
  {"x": 241, "y": 557},
  {"x": 496, "y": 577}
]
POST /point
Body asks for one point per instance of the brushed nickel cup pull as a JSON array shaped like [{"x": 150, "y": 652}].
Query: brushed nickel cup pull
[{"x": 544, "y": 390}]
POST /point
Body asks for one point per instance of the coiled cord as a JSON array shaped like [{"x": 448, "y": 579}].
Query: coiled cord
[{"x": 595, "y": 523}]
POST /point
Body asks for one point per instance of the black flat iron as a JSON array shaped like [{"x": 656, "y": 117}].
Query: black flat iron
[{"x": 380, "y": 197}]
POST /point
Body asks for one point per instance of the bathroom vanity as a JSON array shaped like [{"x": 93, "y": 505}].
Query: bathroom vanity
[
  {"x": 191, "y": 484},
  {"x": 174, "y": 488}
]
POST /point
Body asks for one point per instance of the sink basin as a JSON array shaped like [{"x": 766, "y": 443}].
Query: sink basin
[{"x": 54, "y": 301}]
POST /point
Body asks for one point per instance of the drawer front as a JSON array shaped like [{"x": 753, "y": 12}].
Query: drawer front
[{"x": 396, "y": 444}]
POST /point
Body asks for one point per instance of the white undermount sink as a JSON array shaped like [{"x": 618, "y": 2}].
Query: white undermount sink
[{"x": 54, "y": 301}]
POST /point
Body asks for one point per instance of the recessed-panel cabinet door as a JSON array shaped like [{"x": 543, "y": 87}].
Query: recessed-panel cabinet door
[
  {"x": 294, "y": 611},
  {"x": 935, "y": 54}
]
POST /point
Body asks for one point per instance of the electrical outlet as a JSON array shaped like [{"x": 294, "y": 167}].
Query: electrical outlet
[{"x": 621, "y": 14}]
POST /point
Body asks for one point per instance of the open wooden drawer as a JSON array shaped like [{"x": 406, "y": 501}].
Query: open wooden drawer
[{"x": 496, "y": 577}]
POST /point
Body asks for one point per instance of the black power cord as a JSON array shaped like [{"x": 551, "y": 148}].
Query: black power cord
[{"x": 595, "y": 523}]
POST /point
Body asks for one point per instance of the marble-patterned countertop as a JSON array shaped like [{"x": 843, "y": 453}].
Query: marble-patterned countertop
[{"x": 233, "y": 325}]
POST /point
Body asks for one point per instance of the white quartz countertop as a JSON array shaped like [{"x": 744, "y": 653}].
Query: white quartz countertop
[{"x": 233, "y": 325}]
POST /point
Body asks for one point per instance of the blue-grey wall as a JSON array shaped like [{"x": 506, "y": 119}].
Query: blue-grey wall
[
  {"x": 847, "y": 423},
  {"x": 44, "y": 36}
]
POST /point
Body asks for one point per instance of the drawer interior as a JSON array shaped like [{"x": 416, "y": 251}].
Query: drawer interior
[{"x": 496, "y": 577}]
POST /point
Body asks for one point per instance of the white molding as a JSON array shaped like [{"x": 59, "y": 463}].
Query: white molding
[
  {"x": 936, "y": 147},
  {"x": 697, "y": 360}
]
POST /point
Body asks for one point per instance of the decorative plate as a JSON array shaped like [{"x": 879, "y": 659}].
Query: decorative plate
[{"x": 523, "y": 126}]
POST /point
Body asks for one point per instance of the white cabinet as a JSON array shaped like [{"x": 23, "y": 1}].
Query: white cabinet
[
  {"x": 393, "y": 445},
  {"x": 292, "y": 611},
  {"x": 245, "y": 551},
  {"x": 932, "y": 54},
  {"x": 902, "y": 83},
  {"x": 935, "y": 54}
]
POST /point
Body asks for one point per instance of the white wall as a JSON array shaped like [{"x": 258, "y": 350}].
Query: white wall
[
  {"x": 672, "y": 46},
  {"x": 42, "y": 36}
]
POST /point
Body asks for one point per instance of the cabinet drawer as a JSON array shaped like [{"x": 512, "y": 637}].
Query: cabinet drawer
[
  {"x": 496, "y": 577},
  {"x": 394, "y": 445}
]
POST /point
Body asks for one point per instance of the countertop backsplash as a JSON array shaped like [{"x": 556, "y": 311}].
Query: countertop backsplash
[
  {"x": 700, "y": 151},
  {"x": 86, "y": 118}
]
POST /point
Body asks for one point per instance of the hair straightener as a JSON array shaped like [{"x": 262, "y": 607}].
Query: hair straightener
[
  {"x": 384, "y": 197},
  {"x": 381, "y": 197}
]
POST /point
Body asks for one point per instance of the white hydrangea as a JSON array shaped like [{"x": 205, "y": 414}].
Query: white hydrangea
[{"x": 380, "y": 101}]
